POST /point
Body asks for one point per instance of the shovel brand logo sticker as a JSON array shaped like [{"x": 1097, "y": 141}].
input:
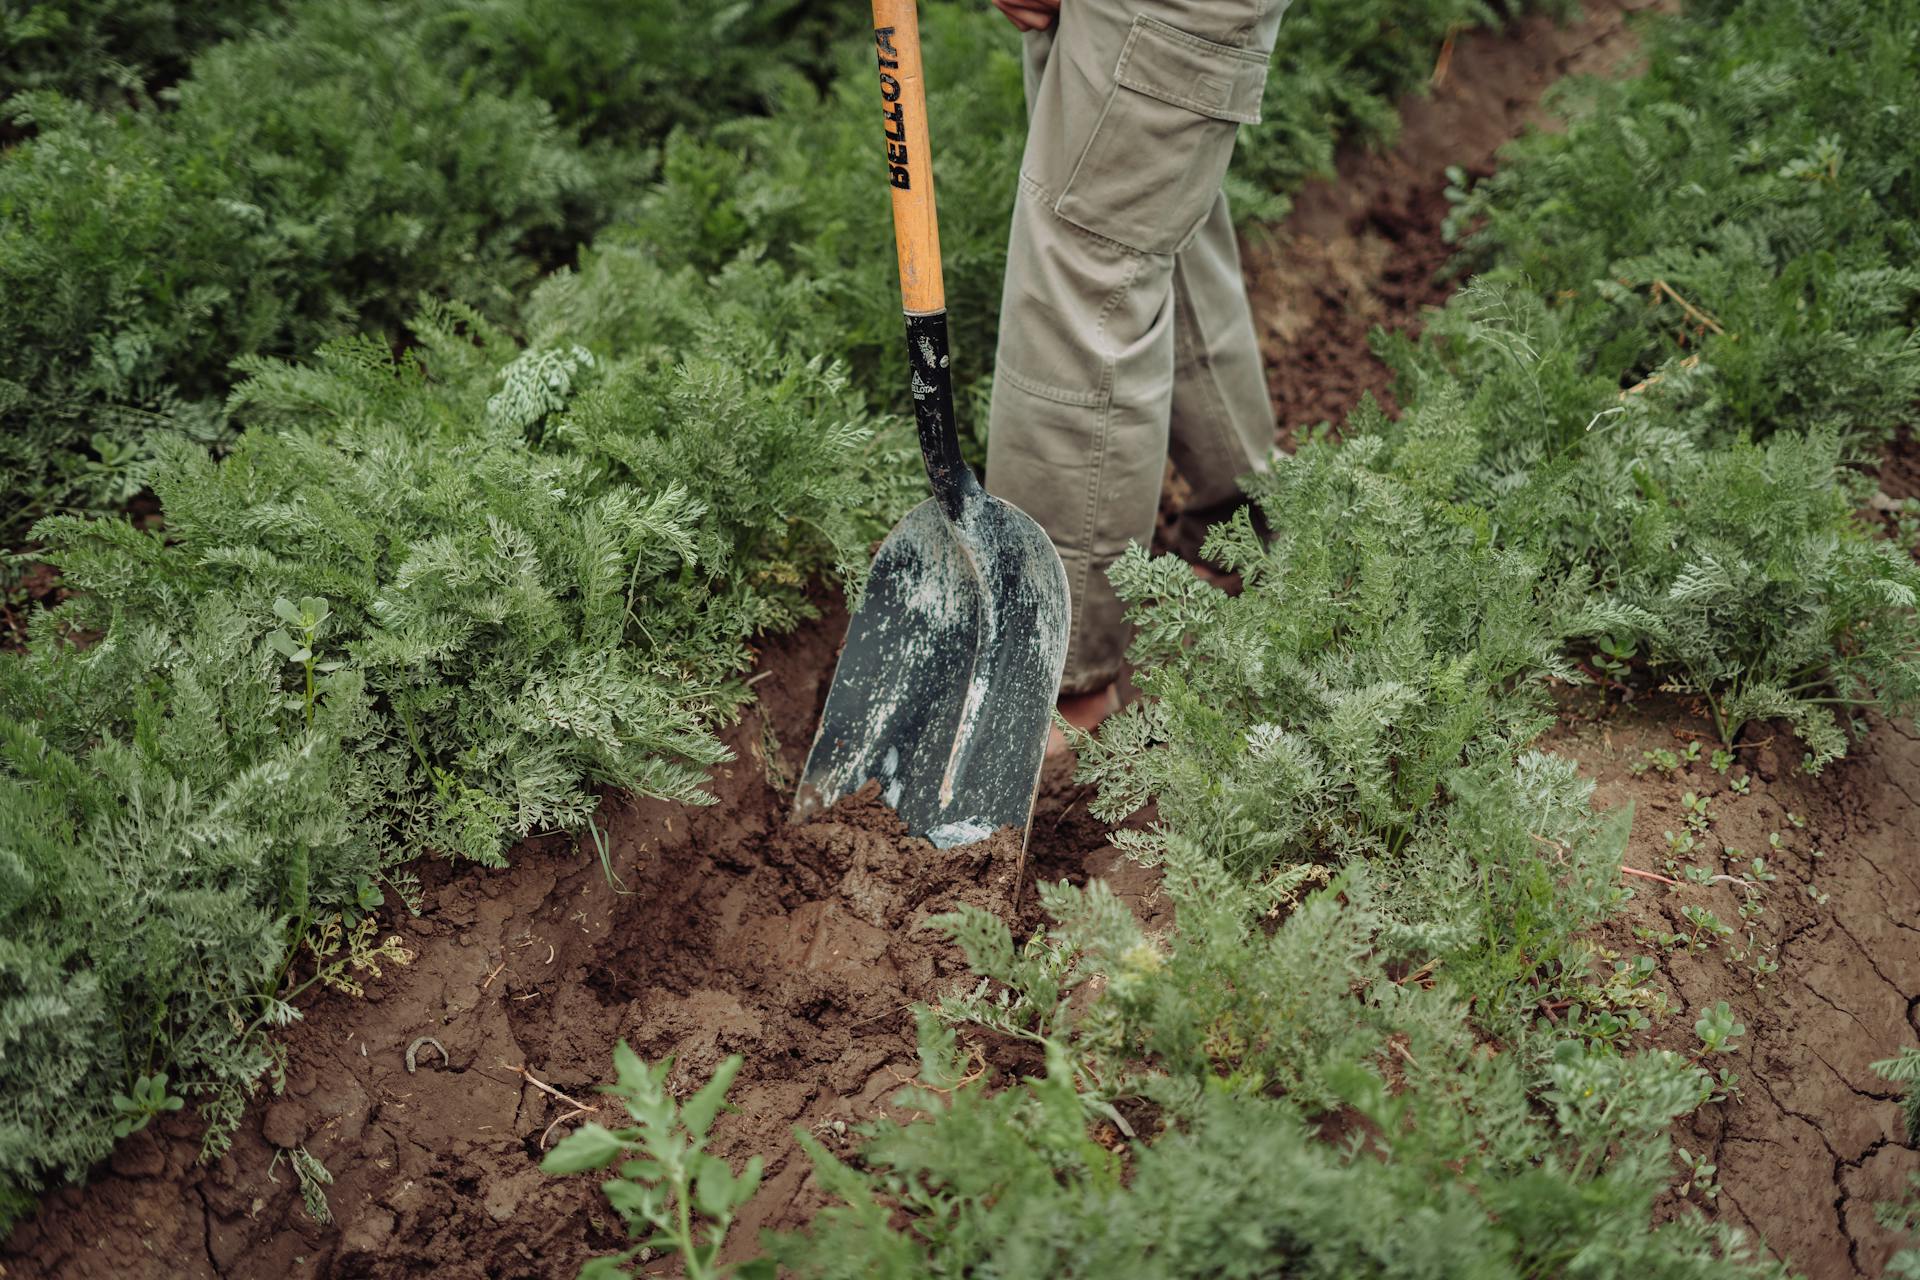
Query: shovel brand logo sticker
[{"x": 891, "y": 110}]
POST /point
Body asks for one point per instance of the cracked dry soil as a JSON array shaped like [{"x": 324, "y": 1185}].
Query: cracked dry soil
[{"x": 1813, "y": 1138}]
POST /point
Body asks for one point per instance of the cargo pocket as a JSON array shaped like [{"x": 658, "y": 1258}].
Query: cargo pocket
[{"x": 1157, "y": 156}]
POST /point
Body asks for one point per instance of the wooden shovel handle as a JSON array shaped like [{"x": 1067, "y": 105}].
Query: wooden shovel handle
[{"x": 903, "y": 107}]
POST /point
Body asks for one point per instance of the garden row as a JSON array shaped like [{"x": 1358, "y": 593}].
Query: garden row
[
  {"x": 1644, "y": 437},
  {"x": 312, "y": 180},
  {"x": 484, "y": 546}
]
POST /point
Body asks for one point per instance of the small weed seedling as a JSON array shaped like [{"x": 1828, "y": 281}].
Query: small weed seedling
[
  {"x": 1705, "y": 928},
  {"x": 1667, "y": 762},
  {"x": 1614, "y": 656},
  {"x": 1698, "y": 812},
  {"x": 1679, "y": 845},
  {"x": 1718, "y": 1029},
  {"x": 308, "y": 619},
  {"x": 150, "y": 1098},
  {"x": 1699, "y": 1174},
  {"x": 314, "y": 1178},
  {"x": 667, "y": 1182},
  {"x": 1658, "y": 938},
  {"x": 1624, "y": 1004},
  {"x": 1758, "y": 958}
]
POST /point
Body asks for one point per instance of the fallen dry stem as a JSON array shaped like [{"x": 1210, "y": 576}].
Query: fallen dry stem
[{"x": 579, "y": 1108}]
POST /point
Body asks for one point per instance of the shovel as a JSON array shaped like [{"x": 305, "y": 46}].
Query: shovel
[{"x": 952, "y": 661}]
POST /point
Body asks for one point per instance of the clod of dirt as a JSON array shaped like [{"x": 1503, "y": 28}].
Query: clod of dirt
[{"x": 284, "y": 1124}]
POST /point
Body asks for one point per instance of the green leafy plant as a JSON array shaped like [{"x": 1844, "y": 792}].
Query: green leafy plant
[
  {"x": 1904, "y": 1069},
  {"x": 149, "y": 1098},
  {"x": 101, "y": 50},
  {"x": 520, "y": 608},
  {"x": 1903, "y": 1216},
  {"x": 1718, "y": 1029},
  {"x": 1672, "y": 396},
  {"x": 1371, "y": 876},
  {"x": 1704, "y": 928},
  {"x": 1700, "y": 1173},
  {"x": 181, "y": 240},
  {"x": 1667, "y": 762},
  {"x": 314, "y": 1179},
  {"x": 668, "y": 1185},
  {"x": 307, "y": 619}
]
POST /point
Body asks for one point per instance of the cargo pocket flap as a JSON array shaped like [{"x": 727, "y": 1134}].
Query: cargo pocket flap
[{"x": 1215, "y": 80}]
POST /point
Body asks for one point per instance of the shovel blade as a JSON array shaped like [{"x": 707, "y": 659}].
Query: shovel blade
[{"x": 945, "y": 688}]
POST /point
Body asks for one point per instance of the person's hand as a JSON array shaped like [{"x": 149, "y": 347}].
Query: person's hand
[{"x": 1029, "y": 15}]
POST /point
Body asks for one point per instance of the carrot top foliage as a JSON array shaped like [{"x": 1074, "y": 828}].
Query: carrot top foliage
[
  {"x": 1643, "y": 429},
  {"x": 449, "y": 538},
  {"x": 1676, "y": 401}
]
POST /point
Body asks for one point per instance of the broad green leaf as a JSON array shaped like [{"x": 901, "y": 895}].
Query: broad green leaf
[
  {"x": 611, "y": 1267},
  {"x": 628, "y": 1069},
  {"x": 713, "y": 1189},
  {"x": 700, "y": 1109},
  {"x": 588, "y": 1147},
  {"x": 632, "y": 1198}
]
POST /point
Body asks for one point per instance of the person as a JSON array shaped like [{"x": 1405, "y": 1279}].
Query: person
[{"x": 1125, "y": 331}]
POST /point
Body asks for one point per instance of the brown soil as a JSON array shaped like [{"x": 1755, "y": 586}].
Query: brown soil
[
  {"x": 799, "y": 947},
  {"x": 1813, "y": 1138},
  {"x": 22, "y": 592},
  {"x": 1366, "y": 248},
  {"x": 1900, "y": 469}
]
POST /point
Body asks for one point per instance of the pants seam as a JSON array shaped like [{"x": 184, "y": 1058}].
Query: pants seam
[
  {"x": 1090, "y": 518},
  {"x": 1047, "y": 391},
  {"x": 1033, "y": 187},
  {"x": 1200, "y": 44},
  {"x": 1230, "y": 443}
]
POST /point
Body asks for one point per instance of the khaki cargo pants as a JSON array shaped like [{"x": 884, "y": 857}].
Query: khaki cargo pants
[{"x": 1125, "y": 333}]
